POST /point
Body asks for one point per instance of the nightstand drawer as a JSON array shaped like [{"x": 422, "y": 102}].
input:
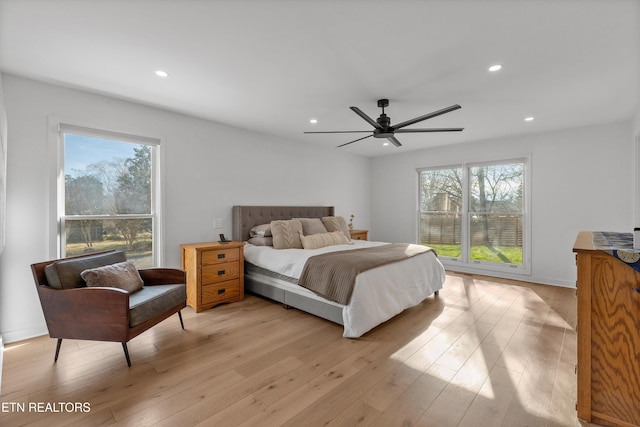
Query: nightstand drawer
[
  {"x": 220, "y": 291},
  {"x": 220, "y": 272},
  {"x": 359, "y": 234},
  {"x": 220, "y": 256}
]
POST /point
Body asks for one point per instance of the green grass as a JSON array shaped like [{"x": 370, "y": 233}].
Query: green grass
[
  {"x": 501, "y": 254},
  {"x": 141, "y": 254},
  {"x": 452, "y": 251}
]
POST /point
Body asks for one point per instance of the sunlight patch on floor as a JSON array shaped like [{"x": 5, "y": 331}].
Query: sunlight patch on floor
[
  {"x": 15, "y": 346},
  {"x": 468, "y": 373}
]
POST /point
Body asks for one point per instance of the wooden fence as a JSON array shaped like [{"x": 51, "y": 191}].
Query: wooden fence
[{"x": 496, "y": 230}]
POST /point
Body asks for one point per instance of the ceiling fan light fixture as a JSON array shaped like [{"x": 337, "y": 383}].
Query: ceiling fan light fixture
[
  {"x": 382, "y": 127},
  {"x": 494, "y": 68}
]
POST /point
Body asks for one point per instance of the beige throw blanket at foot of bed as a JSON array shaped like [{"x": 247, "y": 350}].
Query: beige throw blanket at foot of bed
[{"x": 333, "y": 275}]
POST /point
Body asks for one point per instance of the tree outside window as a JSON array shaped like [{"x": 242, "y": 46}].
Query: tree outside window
[
  {"x": 474, "y": 213},
  {"x": 441, "y": 210},
  {"x": 496, "y": 213},
  {"x": 108, "y": 197}
]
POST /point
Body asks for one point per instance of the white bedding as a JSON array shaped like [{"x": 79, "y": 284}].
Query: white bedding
[{"x": 379, "y": 293}]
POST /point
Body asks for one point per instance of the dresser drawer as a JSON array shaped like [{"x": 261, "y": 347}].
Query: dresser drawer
[
  {"x": 220, "y": 256},
  {"x": 220, "y": 272},
  {"x": 220, "y": 291}
]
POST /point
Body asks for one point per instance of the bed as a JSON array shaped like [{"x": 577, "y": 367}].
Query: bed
[{"x": 378, "y": 294}]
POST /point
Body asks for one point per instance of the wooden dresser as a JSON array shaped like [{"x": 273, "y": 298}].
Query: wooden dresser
[
  {"x": 608, "y": 337},
  {"x": 215, "y": 273}
]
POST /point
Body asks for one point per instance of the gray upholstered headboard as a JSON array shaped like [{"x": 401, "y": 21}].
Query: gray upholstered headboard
[{"x": 246, "y": 217}]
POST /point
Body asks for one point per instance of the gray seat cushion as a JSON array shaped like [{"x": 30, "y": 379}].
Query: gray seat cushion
[
  {"x": 65, "y": 274},
  {"x": 153, "y": 300}
]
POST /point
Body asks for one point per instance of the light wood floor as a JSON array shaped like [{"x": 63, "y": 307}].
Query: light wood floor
[{"x": 485, "y": 352}]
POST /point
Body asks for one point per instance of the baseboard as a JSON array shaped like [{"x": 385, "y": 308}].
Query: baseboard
[
  {"x": 517, "y": 277},
  {"x": 24, "y": 334}
]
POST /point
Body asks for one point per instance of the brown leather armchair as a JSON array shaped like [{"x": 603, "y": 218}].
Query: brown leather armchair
[{"x": 74, "y": 311}]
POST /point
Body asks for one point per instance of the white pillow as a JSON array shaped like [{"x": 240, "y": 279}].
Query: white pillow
[{"x": 262, "y": 230}]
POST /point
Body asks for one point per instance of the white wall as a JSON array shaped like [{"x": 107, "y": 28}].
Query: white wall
[
  {"x": 207, "y": 168},
  {"x": 582, "y": 179},
  {"x": 636, "y": 133}
]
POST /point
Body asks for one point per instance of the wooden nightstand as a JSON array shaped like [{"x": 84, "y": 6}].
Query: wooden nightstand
[
  {"x": 215, "y": 273},
  {"x": 359, "y": 234}
]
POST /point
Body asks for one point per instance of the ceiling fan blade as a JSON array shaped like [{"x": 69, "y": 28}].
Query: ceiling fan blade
[
  {"x": 365, "y": 117},
  {"x": 429, "y": 130},
  {"x": 342, "y": 131},
  {"x": 394, "y": 141},
  {"x": 355, "y": 140},
  {"x": 427, "y": 116}
]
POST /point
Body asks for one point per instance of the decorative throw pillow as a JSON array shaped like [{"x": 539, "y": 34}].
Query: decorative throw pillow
[
  {"x": 312, "y": 226},
  {"x": 286, "y": 234},
  {"x": 261, "y": 241},
  {"x": 262, "y": 230},
  {"x": 123, "y": 275},
  {"x": 336, "y": 223},
  {"x": 320, "y": 240}
]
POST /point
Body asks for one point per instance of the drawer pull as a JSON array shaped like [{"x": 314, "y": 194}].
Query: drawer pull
[
  {"x": 221, "y": 272},
  {"x": 221, "y": 291},
  {"x": 221, "y": 256},
  {"x": 637, "y": 290}
]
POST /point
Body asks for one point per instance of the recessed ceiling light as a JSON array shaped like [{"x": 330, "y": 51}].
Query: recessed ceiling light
[
  {"x": 161, "y": 73},
  {"x": 385, "y": 143},
  {"x": 313, "y": 121},
  {"x": 496, "y": 67},
  {"x": 528, "y": 119}
]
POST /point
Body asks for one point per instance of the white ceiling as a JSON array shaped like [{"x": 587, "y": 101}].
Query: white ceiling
[{"x": 270, "y": 66}]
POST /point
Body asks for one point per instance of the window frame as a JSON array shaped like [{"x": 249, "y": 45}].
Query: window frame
[
  {"x": 465, "y": 263},
  {"x": 57, "y": 128}
]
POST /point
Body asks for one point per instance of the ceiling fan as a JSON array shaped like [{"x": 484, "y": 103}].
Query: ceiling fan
[{"x": 384, "y": 129}]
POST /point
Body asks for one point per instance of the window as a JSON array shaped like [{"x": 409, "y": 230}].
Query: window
[
  {"x": 475, "y": 214},
  {"x": 441, "y": 210},
  {"x": 107, "y": 200}
]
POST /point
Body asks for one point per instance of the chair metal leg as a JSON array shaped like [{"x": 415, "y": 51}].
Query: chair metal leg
[
  {"x": 126, "y": 353},
  {"x": 180, "y": 316},
  {"x": 55, "y": 359}
]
